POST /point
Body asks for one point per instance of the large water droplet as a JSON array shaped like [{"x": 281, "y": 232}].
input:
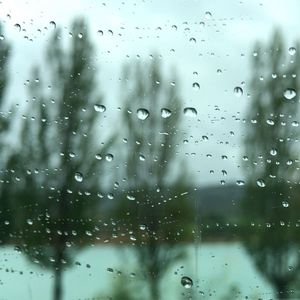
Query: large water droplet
[
  {"x": 190, "y": 111},
  {"x": 186, "y": 282},
  {"x": 99, "y": 108},
  {"x": 196, "y": 86},
  {"x": 165, "y": 113},
  {"x": 292, "y": 50},
  {"x": 109, "y": 157},
  {"x": 142, "y": 113},
  {"x": 289, "y": 93},
  {"x": 53, "y": 24},
  {"x": 78, "y": 177},
  {"x": 260, "y": 183},
  {"x": 285, "y": 204},
  {"x": 238, "y": 91}
]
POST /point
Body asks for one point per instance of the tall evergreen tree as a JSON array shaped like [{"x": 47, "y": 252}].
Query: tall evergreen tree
[
  {"x": 272, "y": 168},
  {"x": 59, "y": 161},
  {"x": 153, "y": 207}
]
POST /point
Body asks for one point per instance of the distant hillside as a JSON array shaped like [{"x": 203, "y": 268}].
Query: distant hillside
[{"x": 219, "y": 200}]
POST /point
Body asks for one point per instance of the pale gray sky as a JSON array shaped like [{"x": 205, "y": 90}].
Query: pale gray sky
[{"x": 224, "y": 42}]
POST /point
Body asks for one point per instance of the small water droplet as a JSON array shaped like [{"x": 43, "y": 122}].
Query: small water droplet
[
  {"x": 190, "y": 112},
  {"x": 29, "y": 222},
  {"x": 238, "y": 91},
  {"x": 99, "y": 108},
  {"x": 78, "y": 177},
  {"x": 100, "y": 32},
  {"x": 142, "y": 157},
  {"x": 285, "y": 204},
  {"x": 240, "y": 182},
  {"x": 80, "y": 35},
  {"x": 109, "y": 157},
  {"x": 261, "y": 183},
  {"x": 273, "y": 152},
  {"x": 295, "y": 123},
  {"x": 292, "y": 50},
  {"x": 165, "y": 113},
  {"x": 130, "y": 197},
  {"x": 53, "y": 24},
  {"x": 192, "y": 40},
  {"x": 289, "y": 93},
  {"x": 17, "y": 26},
  {"x": 98, "y": 156},
  {"x": 208, "y": 15},
  {"x": 142, "y": 113},
  {"x": 186, "y": 282},
  {"x": 196, "y": 86}
]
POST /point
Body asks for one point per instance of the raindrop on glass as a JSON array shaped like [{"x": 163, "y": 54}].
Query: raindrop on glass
[
  {"x": 261, "y": 183},
  {"x": 142, "y": 113},
  {"x": 289, "y": 93},
  {"x": 292, "y": 50},
  {"x": 285, "y": 204},
  {"x": 99, "y": 108},
  {"x": 186, "y": 282},
  {"x": 78, "y": 177},
  {"x": 238, "y": 91},
  {"x": 165, "y": 113},
  {"x": 109, "y": 157},
  {"x": 196, "y": 86},
  {"x": 190, "y": 112}
]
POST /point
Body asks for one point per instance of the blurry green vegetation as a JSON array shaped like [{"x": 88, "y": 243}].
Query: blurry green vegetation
[
  {"x": 54, "y": 212},
  {"x": 154, "y": 207},
  {"x": 271, "y": 205}
]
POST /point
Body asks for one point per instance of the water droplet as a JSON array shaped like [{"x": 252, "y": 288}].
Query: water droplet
[
  {"x": 80, "y": 35},
  {"x": 142, "y": 113},
  {"x": 186, "y": 282},
  {"x": 273, "y": 152},
  {"x": 174, "y": 27},
  {"x": 285, "y": 204},
  {"x": 98, "y": 156},
  {"x": 261, "y": 183},
  {"x": 1, "y": 37},
  {"x": 289, "y": 93},
  {"x": 295, "y": 123},
  {"x": 190, "y": 112},
  {"x": 130, "y": 197},
  {"x": 142, "y": 157},
  {"x": 208, "y": 15},
  {"x": 78, "y": 177},
  {"x": 192, "y": 40},
  {"x": 219, "y": 71},
  {"x": 53, "y": 24},
  {"x": 292, "y": 50},
  {"x": 165, "y": 113},
  {"x": 238, "y": 91},
  {"x": 29, "y": 222},
  {"x": 143, "y": 227},
  {"x": 100, "y": 32},
  {"x": 109, "y": 157},
  {"x": 196, "y": 86},
  {"x": 99, "y": 108},
  {"x": 17, "y": 26},
  {"x": 240, "y": 182},
  {"x": 204, "y": 137},
  {"x": 270, "y": 122}
]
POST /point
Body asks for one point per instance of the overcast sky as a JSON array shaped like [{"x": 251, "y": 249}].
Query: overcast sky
[{"x": 207, "y": 36}]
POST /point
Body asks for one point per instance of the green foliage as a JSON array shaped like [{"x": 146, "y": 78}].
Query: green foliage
[
  {"x": 153, "y": 207},
  {"x": 271, "y": 147},
  {"x": 55, "y": 213}
]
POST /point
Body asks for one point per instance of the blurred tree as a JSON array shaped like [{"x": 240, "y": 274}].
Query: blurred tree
[
  {"x": 59, "y": 162},
  {"x": 6, "y": 117},
  {"x": 272, "y": 167},
  {"x": 153, "y": 206}
]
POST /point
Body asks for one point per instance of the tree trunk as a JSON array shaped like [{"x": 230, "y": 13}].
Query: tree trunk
[
  {"x": 57, "y": 292},
  {"x": 154, "y": 290},
  {"x": 281, "y": 287}
]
